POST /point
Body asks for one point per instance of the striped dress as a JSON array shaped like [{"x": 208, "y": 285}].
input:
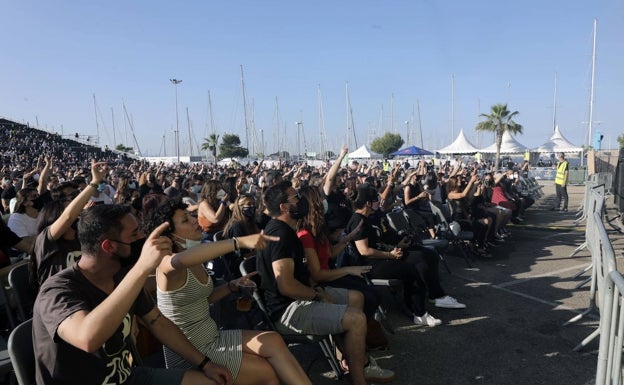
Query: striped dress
[{"x": 187, "y": 307}]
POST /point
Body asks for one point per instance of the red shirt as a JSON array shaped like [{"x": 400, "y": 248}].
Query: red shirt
[{"x": 322, "y": 250}]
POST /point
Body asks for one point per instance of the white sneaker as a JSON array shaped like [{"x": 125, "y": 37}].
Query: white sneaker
[
  {"x": 449, "y": 302},
  {"x": 427, "y": 320},
  {"x": 373, "y": 373}
]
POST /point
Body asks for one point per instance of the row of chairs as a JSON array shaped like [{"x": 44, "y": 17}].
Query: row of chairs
[{"x": 16, "y": 354}]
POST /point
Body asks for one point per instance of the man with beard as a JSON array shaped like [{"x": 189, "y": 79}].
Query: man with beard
[
  {"x": 82, "y": 315},
  {"x": 296, "y": 306}
]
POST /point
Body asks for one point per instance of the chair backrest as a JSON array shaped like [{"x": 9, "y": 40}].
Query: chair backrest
[
  {"x": 23, "y": 292},
  {"x": 248, "y": 266},
  {"x": 22, "y": 354},
  {"x": 399, "y": 223},
  {"x": 437, "y": 211},
  {"x": 7, "y": 309}
]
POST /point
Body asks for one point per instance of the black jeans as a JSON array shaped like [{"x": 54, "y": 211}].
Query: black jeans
[{"x": 562, "y": 195}]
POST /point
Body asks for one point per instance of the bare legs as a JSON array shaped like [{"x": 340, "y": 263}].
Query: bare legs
[{"x": 267, "y": 360}]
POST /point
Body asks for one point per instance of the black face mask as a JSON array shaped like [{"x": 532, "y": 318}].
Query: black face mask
[
  {"x": 302, "y": 209},
  {"x": 135, "y": 252},
  {"x": 249, "y": 211}
]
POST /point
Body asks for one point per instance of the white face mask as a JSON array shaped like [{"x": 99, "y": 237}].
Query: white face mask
[
  {"x": 188, "y": 243},
  {"x": 325, "y": 206}
]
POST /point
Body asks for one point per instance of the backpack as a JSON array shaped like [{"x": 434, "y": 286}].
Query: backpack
[{"x": 349, "y": 256}]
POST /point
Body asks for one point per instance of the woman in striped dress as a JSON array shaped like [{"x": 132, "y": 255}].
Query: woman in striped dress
[{"x": 185, "y": 290}]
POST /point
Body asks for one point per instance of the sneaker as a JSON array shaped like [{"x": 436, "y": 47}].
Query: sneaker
[
  {"x": 449, "y": 302},
  {"x": 427, "y": 320},
  {"x": 373, "y": 373},
  {"x": 555, "y": 209},
  {"x": 565, "y": 209}
]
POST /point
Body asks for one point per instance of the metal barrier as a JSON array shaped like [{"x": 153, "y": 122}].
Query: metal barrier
[
  {"x": 605, "y": 178},
  {"x": 595, "y": 203},
  {"x": 603, "y": 260},
  {"x": 577, "y": 176},
  {"x": 609, "y": 370},
  {"x": 582, "y": 211}
]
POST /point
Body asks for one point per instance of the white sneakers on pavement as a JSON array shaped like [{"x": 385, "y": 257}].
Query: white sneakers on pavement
[
  {"x": 427, "y": 320},
  {"x": 449, "y": 302}
]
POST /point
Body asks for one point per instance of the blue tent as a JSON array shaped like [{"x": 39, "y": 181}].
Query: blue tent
[{"x": 411, "y": 151}]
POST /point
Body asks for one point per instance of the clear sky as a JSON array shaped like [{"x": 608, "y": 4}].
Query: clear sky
[{"x": 395, "y": 55}]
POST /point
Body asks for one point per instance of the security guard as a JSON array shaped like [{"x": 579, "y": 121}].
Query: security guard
[{"x": 561, "y": 181}]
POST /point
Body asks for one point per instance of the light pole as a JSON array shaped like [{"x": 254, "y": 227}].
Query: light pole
[
  {"x": 175, "y": 83},
  {"x": 298, "y": 140}
]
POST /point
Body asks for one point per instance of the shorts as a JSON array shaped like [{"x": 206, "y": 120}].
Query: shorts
[
  {"x": 316, "y": 318},
  {"x": 144, "y": 375}
]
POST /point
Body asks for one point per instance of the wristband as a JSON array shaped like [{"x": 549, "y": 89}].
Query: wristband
[
  {"x": 94, "y": 185},
  {"x": 203, "y": 363},
  {"x": 236, "y": 248}
]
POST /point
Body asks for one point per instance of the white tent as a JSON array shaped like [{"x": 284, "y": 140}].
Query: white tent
[
  {"x": 558, "y": 143},
  {"x": 509, "y": 146},
  {"x": 461, "y": 145},
  {"x": 364, "y": 153}
]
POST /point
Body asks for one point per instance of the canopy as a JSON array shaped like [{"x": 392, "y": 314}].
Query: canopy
[
  {"x": 363, "y": 153},
  {"x": 411, "y": 151},
  {"x": 461, "y": 145},
  {"x": 558, "y": 143},
  {"x": 509, "y": 146}
]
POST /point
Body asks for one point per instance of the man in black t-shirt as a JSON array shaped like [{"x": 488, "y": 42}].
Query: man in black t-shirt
[
  {"x": 293, "y": 304},
  {"x": 82, "y": 316}
]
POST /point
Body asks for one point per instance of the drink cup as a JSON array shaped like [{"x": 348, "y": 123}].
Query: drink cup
[{"x": 246, "y": 289}]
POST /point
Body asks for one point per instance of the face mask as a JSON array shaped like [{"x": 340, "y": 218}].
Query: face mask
[
  {"x": 249, "y": 211},
  {"x": 196, "y": 188},
  {"x": 132, "y": 186},
  {"x": 325, "y": 206},
  {"x": 375, "y": 206},
  {"x": 135, "y": 252},
  {"x": 301, "y": 210},
  {"x": 187, "y": 243}
]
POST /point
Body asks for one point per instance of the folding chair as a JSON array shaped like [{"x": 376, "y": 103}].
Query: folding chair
[
  {"x": 22, "y": 354},
  {"x": 7, "y": 309},
  {"x": 437, "y": 245},
  {"x": 248, "y": 266},
  {"x": 23, "y": 292},
  {"x": 444, "y": 230}
]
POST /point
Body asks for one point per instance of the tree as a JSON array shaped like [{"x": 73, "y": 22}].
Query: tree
[
  {"x": 499, "y": 121},
  {"x": 386, "y": 144},
  {"x": 620, "y": 140},
  {"x": 230, "y": 147},
  {"x": 122, "y": 148},
  {"x": 211, "y": 144}
]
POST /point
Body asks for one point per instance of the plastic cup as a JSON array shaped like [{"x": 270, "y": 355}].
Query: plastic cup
[{"x": 246, "y": 289}]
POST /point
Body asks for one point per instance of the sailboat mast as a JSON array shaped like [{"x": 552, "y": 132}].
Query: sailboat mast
[
  {"x": 591, "y": 90},
  {"x": 322, "y": 146},
  {"x": 419, "y": 123},
  {"x": 348, "y": 116},
  {"x": 188, "y": 124},
  {"x": 97, "y": 126},
  {"x": 555, "y": 105},
  {"x": 392, "y": 127},
  {"x": 452, "y": 107},
  {"x": 245, "y": 108},
  {"x": 113, "y": 118}
]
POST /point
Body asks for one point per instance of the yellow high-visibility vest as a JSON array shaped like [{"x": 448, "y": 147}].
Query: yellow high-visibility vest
[{"x": 561, "y": 168}]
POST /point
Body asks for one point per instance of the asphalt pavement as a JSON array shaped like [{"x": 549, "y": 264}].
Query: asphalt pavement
[{"x": 517, "y": 301}]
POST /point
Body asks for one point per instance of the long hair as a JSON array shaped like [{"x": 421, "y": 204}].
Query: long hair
[
  {"x": 249, "y": 224},
  {"x": 209, "y": 191},
  {"x": 314, "y": 222},
  {"x": 123, "y": 194},
  {"x": 22, "y": 197}
]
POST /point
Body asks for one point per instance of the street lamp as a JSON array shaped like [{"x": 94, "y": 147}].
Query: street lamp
[{"x": 175, "y": 83}]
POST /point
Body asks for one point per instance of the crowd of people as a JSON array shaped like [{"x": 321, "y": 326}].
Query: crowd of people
[{"x": 96, "y": 226}]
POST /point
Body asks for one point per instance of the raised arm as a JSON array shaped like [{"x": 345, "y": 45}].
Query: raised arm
[
  {"x": 75, "y": 207},
  {"x": 333, "y": 170}
]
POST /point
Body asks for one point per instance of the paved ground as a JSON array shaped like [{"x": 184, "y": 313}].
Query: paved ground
[{"x": 511, "y": 333}]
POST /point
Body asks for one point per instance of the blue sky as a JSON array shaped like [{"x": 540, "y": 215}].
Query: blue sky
[{"x": 393, "y": 54}]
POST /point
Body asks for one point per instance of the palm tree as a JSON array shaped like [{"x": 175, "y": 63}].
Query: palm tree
[
  {"x": 211, "y": 144},
  {"x": 499, "y": 121}
]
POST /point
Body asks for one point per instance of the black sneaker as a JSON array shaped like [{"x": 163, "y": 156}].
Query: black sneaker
[{"x": 554, "y": 209}]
